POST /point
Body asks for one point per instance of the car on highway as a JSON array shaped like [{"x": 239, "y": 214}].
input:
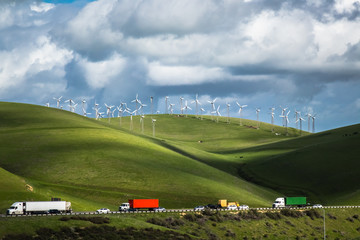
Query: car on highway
[
  {"x": 243, "y": 207},
  {"x": 211, "y": 206},
  {"x": 318, "y": 206},
  {"x": 199, "y": 208},
  {"x": 232, "y": 207},
  {"x": 160, "y": 209},
  {"x": 103, "y": 211}
]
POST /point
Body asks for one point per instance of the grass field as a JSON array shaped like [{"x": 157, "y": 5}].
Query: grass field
[{"x": 47, "y": 152}]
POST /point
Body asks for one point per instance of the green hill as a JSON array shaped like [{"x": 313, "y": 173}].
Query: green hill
[{"x": 93, "y": 164}]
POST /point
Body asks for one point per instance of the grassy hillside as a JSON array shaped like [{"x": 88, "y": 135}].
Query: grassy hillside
[
  {"x": 324, "y": 166},
  {"x": 93, "y": 164}
]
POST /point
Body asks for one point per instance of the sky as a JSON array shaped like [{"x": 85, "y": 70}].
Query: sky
[{"x": 304, "y": 55}]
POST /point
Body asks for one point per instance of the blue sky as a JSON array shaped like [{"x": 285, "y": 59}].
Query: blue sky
[{"x": 304, "y": 55}]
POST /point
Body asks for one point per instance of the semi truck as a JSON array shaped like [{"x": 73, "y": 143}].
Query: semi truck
[
  {"x": 282, "y": 202},
  {"x": 138, "y": 204},
  {"x": 39, "y": 207}
]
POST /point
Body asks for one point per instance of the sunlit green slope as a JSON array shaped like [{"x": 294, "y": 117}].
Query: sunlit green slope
[{"x": 92, "y": 164}]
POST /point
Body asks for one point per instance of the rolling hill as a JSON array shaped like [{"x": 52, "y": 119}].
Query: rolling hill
[
  {"x": 47, "y": 152},
  {"x": 94, "y": 164}
]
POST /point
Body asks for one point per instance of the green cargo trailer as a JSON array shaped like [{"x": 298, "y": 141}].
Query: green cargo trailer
[{"x": 295, "y": 201}]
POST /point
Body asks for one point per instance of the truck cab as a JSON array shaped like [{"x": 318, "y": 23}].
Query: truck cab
[
  {"x": 124, "y": 207},
  {"x": 16, "y": 208},
  {"x": 279, "y": 203}
]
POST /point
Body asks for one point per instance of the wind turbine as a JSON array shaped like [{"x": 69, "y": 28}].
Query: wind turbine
[
  {"x": 212, "y": 107},
  {"x": 300, "y": 119},
  {"x": 240, "y": 111},
  {"x": 217, "y": 113},
  {"x": 120, "y": 112},
  {"x": 272, "y": 118},
  {"x": 47, "y": 104},
  {"x": 186, "y": 108},
  {"x": 73, "y": 107},
  {"x": 309, "y": 116},
  {"x": 257, "y": 117},
  {"x": 152, "y": 105},
  {"x": 99, "y": 115},
  {"x": 83, "y": 107},
  {"x": 197, "y": 102},
  {"x": 166, "y": 104},
  {"x": 108, "y": 111},
  {"x": 201, "y": 110},
  {"x": 286, "y": 120},
  {"x": 283, "y": 110},
  {"x": 153, "y": 126},
  {"x": 297, "y": 114},
  {"x": 58, "y": 101},
  {"x": 136, "y": 100},
  {"x": 228, "y": 112},
  {"x": 131, "y": 119},
  {"x": 142, "y": 123},
  {"x": 70, "y": 101},
  {"x": 181, "y": 105},
  {"x": 313, "y": 122},
  {"x": 171, "y": 105},
  {"x": 141, "y": 107}
]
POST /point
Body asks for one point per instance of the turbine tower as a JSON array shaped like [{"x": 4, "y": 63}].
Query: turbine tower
[
  {"x": 136, "y": 100},
  {"x": 272, "y": 118},
  {"x": 70, "y": 101},
  {"x": 108, "y": 111},
  {"x": 309, "y": 117},
  {"x": 153, "y": 126},
  {"x": 171, "y": 105},
  {"x": 217, "y": 112},
  {"x": 120, "y": 112},
  {"x": 313, "y": 122},
  {"x": 228, "y": 112},
  {"x": 286, "y": 120},
  {"x": 257, "y": 117},
  {"x": 300, "y": 119},
  {"x": 212, "y": 107},
  {"x": 142, "y": 123},
  {"x": 201, "y": 110},
  {"x": 181, "y": 105},
  {"x": 283, "y": 110},
  {"x": 186, "y": 108},
  {"x": 197, "y": 102},
  {"x": 297, "y": 114},
  {"x": 240, "y": 111},
  {"x": 166, "y": 104},
  {"x": 152, "y": 104},
  {"x": 58, "y": 101}
]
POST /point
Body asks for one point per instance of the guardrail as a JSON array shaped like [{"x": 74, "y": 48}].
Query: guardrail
[{"x": 171, "y": 211}]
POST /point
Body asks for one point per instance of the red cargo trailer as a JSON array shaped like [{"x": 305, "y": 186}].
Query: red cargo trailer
[{"x": 144, "y": 203}]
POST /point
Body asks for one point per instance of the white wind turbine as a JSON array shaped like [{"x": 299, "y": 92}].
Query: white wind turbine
[
  {"x": 171, "y": 108},
  {"x": 186, "y": 107},
  {"x": 58, "y": 101},
  {"x": 73, "y": 107},
  {"x": 152, "y": 104},
  {"x": 142, "y": 123},
  {"x": 300, "y": 119},
  {"x": 286, "y": 120},
  {"x": 47, "y": 104},
  {"x": 313, "y": 122},
  {"x": 153, "y": 121},
  {"x": 71, "y": 102},
  {"x": 181, "y": 105},
  {"x": 201, "y": 112},
  {"x": 240, "y": 111},
  {"x": 283, "y": 110},
  {"x": 99, "y": 115},
  {"x": 309, "y": 117},
  {"x": 108, "y": 111},
  {"x": 166, "y": 104},
  {"x": 131, "y": 119},
  {"x": 197, "y": 102},
  {"x": 120, "y": 112},
  {"x": 141, "y": 107},
  {"x": 217, "y": 112},
  {"x": 228, "y": 112},
  {"x": 212, "y": 107},
  {"x": 136, "y": 100},
  {"x": 257, "y": 117},
  {"x": 83, "y": 107},
  {"x": 272, "y": 118},
  {"x": 297, "y": 114}
]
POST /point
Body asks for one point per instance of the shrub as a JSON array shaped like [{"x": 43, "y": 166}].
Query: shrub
[
  {"x": 350, "y": 219},
  {"x": 190, "y": 217},
  {"x": 291, "y": 213},
  {"x": 273, "y": 215},
  {"x": 312, "y": 213}
]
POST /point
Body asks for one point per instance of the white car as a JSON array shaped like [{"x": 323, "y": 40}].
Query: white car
[
  {"x": 232, "y": 207},
  {"x": 199, "y": 208},
  {"x": 103, "y": 210},
  {"x": 244, "y": 207},
  {"x": 160, "y": 209},
  {"x": 318, "y": 206}
]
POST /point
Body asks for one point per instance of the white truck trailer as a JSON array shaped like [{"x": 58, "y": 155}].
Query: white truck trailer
[{"x": 39, "y": 207}]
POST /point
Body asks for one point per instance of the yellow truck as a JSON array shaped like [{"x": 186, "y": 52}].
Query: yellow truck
[{"x": 224, "y": 203}]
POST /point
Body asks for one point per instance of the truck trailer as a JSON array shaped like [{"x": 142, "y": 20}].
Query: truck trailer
[
  {"x": 138, "y": 204},
  {"x": 289, "y": 202},
  {"x": 18, "y": 208}
]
